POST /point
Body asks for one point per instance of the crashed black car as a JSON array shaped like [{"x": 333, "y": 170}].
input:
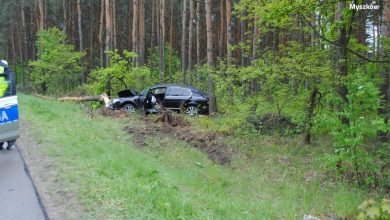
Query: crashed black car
[
  {"x": 164, "y": 96},
  {"x": 128, "y": 101}
]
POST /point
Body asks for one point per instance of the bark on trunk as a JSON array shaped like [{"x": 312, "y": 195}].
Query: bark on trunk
[
  {"x": 342, "y": 57},
  {"x": 310, "y": 115},
  {"x": 101, "y": 30},
  {"x": 183, "y": 38},
  {"x": 190, "y": 34},
  {"x": 197, "y": 33},
  {"x": 135, "y": 29},
  {"x": 170, "y": 42},
  {"x": 141, "y": 33},
  {"x": 42, "y": 14},
  {"x": 108, "y": 30},
  {"x": 221, "y": 33},
  {"x": 210, "y": 59},
  {"x": 162, "y": 42},
  {"x": 81, "y": 46}
]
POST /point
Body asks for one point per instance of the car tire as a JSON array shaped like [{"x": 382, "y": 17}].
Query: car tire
[
  {"x": 129, "y": 108},
  {"x": 192, "y": 110},
  {"x": 11, "y": 144}
]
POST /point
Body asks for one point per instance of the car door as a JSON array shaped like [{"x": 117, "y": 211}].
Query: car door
[
  {"x": 175, "y": 97},
  {"x": 9, "y": 116}
]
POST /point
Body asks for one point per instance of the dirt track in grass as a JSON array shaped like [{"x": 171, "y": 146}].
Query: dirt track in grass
[{"x": 177, "y": 128}]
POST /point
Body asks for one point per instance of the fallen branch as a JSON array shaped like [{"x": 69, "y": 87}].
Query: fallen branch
[{"x": 101, "y": 98}]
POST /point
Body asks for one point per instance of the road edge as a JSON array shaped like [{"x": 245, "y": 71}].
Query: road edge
[{"x": 27, "y": 171}]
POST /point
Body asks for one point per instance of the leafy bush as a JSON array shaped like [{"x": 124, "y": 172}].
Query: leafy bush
[
  {"x": 57, "y": 68},
  {"x": 370, "y": 210},
  {"x": 352, "y": 152}
]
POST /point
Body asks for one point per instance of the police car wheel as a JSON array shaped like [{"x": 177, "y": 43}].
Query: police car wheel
[{"x": 10, "y": 145}]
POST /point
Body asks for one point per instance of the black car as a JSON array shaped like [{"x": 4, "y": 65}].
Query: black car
[
  {"x": 169, "y": 96},
  {"x": 128, "y": 101}
]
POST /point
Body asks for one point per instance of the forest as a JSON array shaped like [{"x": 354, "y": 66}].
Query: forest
[{"x": 313, "y": 69}]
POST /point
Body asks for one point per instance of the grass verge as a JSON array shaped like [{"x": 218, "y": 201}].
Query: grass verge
[{"x": 170, "y": 180}]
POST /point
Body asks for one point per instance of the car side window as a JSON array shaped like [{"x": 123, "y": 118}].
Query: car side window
[
  {"x": 173, "y": 91},
  {"x": 176, "y": 91}
]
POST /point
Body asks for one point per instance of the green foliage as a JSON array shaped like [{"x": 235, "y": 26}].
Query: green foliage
[
  {"x": 121, "y": 74},
  {"x": 350, "y": 140},
  {"x": 57, "y": 68},
  {"x": 370, "y": 210}
]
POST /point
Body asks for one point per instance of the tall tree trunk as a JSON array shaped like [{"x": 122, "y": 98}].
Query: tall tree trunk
[
  {"x": 141, "y": 32},
  {"x": 91, "y": 36},
  {"x": 114, "y": 26},
  {"x": 361, "y": 25},
  {"x": 385, "y": 87},
  {"x": 210, "y": 59},
  {"x": 342, "y": 56},
  {"x": 108, "y": 30},
  {"x": 243, "y": 60},
  {"x": 170, "y": 42},
  {"x": 197, "y": 33},
  {"x": 229, "y": 40},
  {"x": 152, "y": 36},
  {"x": 101, "y": 31},
  {"x": 190, "y": 33},
  {"x": 65, "y": 10},
  {"x": 135, "y": 29},
  {"x": 253, "y": 81},
  {"x": 24, "y": 37},
  {"x": 183, "y": 38},
  {"x": 81, "y": 46},
  {"x": 162, "y": 42},
  {"x": 221, "y": 29},
  {"x": 229, "y": 37},
  {"x": 42, "y": 14},
  {"x": 13, "y": 44}
]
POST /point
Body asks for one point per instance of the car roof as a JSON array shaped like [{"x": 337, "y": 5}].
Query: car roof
[{"x": 177, "y": 85}]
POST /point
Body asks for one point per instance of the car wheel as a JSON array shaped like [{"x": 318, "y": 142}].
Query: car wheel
[
  {"x": 10, "y": 145},
  {"x": 192, "y": 111},
  {"x": 129, "y": 108}
]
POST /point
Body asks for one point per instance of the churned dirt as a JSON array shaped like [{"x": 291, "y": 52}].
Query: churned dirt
[{"x": 172, "y": 125}]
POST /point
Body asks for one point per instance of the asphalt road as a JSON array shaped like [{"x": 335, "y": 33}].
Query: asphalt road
[{"x": 18, "y": 199}]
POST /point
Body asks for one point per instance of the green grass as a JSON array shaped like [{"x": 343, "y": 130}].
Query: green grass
[{"x": 117, "y": 180}]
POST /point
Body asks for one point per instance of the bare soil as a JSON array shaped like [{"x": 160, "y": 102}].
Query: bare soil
[
  {"x": 172, "y": 125},
  {"x": 60, "y": 201}
]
